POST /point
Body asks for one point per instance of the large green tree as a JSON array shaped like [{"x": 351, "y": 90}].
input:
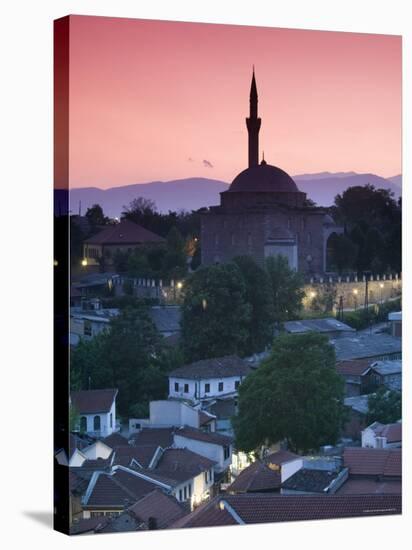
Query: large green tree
[
  {"x": 259, "y": 296},
  {"x": 215, "y": 312},
  {"x": 287, "y": 288},
  {"x": 384, "y": 406},
  {"x": 130, "y": 356},
  {"x": 295, "y": 395}
]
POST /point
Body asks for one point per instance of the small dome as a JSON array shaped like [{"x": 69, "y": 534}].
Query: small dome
[{"x": 263, "y": 178}]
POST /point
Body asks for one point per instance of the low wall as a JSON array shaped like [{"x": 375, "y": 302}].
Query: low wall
[{"x": 323, "y": 294}]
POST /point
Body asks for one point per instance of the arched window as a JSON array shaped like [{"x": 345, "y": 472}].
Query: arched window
[
  {"x": 96, "y": 423},
  {"x": 83, "y": 424}
]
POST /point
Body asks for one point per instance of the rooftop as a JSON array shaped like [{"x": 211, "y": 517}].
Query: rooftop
[
  {"x": 208, "y": 437},
  {"x": 125, "y": 232},
  {"x": 373, "y": 462},
  {"x": 310, "y": 481},
  {"x": 354, "y": 367},
  {"x": 256, "y": 477},
  {"x": 392, "y": 432},
  {"x": 385, "y": 368},
  {"x": 163, "y": 508},
  {"x": 267, "y": 508},
  {"x": 142, "y": 454},
  {"x": 182, "y": 464},
  {"x": 220, "y": 367},
  {"x": 93, "y": 401},
  {"x": 363, "y": 345},
  {"x": 263, "y": 178},
  {"x": 317, "y": 325},
  {"x": 153, "y": 436},
  {"x": 363, "y": 486},
  {"x": 358, "y": 403},
  {"x": 166, "y": 318}
]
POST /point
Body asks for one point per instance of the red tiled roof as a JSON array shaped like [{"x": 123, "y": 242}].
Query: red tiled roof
[
  {"x": 280, "y": 457},
  {"x": 93, "y": 401},
  {"x": 392, "y": 432},
  {"x": 205, "y": 418},
  {"x": 268, "y": 508},
  {"x": 115, "y": 440},
  {"x": 143, "y": 454},
  {"x": 256, "y": 477},
  {"x": 163, "y": 508},
  {"x": 88, "y": 525},
  {"x": 153, "y": 436},
  {"x": 208, "y": 437},
  {"x": 182, "y": 464},
  {"x": 362, "y": 486},
  {"x": 125, "y": 232},
  {"x": 118, "y": 490},
  {"x": 373, "y": 462},
  {"x": 354, "y": 367}
]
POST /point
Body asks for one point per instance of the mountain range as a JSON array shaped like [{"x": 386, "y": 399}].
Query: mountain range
[{"x": 193, "y": 193}]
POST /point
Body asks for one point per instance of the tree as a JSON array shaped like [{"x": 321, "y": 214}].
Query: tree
[
  {"x": 343, "y": 253},
  {"x": 130, "y": 356},
  {"x": 175, "y": 261},
  {"x": 295, "y": 395},
  {"x": 286, "y": 286},
  {"x": 96, "y": 216},
  {"x": 384, "y": 406},
  {"x": 259, "y": 296},
  {"x": 215, "y": 312}
]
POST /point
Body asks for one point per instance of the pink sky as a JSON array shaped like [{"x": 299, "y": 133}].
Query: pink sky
[{"x": 151, "y": 100}]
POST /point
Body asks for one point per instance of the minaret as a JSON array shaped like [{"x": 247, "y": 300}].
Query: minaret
[{"x": 253, "y": 124}]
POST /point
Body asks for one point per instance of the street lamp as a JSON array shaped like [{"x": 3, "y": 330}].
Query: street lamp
[
  {"x": 84, "y": 262},
  {"x": 355, "y": 297},
  {"x": 381, "y": 287}
]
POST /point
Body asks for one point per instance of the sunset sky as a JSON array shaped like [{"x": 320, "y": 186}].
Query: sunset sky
[{"x": 152, "y": 100}]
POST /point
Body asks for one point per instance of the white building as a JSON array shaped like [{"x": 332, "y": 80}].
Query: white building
[
  {"x": 382, "y": 436},
  {"x": 97, "y": 411},
  {"x": 208, "y": 378}
]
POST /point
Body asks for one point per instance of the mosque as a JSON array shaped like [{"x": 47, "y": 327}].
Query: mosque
[{"x": 263, "y": 213}]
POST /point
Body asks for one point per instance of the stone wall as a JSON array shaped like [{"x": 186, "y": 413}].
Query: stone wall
[{"x": 320, "y": 291}]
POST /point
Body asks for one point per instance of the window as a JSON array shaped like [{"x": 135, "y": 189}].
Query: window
[
  {"x": 237, "y": 383},
  {"x": 207, "y": 388},
  {"x": 206, "y": 477},
  {"x": 220, "y": 386},
  {"x": 180, "y": 495},
  {"x": 176, "y": 386},
  {"x": 111, "y": 420},
  {"x": 186, "y": 388},
  {"x": 185, "y": 492},
  {"x": 83, "y": 424},
  {"x": 226, "y": 452},
  {"x": 189, "y": 490},
  {"x": 96, "y": 423},
  {"x": 87, "y": 328}
]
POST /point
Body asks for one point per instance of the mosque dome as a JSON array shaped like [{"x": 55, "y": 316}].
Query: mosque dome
[{"x": 263, "y": 178}]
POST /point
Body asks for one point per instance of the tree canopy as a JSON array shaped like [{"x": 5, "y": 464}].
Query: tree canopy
[
  {"x": 286, "y": 285},
  {"x": 130, "y": 356},
  {"x": 215, "y": 312},
  {"x": 384, "y": 406},
  {"x": 295, "y": 395}
]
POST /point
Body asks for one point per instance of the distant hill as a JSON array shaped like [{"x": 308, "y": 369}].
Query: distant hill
[
  {"x": 397, "y": 180},
  {"x": 193, "y": 193}
]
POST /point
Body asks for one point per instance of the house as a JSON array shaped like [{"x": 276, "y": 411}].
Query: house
[
  {"x": 329, "y": 326},
  {"x": 395, "y": 323},
  {"x": 157, "y": 510},
  {"x": 249, "y": 508},
  {"x": 208, "y": 378},
  {"x": 266, "y": 475},
  {"x": 93, "y": 283},
  {"x": 356, "y": 374},
  {"x": 97, "y": 411},
  {"x": 388, "y": 374},
  {"x": 372, "y": 471},
  {"x": 215, "y": 446},
  {"x": 168, "y": 413},
  {"x": 125, "y": 236},
  {"x": 382, "y": 436},
  {"x": 366, "y": 345},
  {"x": 357, "y": 408}
]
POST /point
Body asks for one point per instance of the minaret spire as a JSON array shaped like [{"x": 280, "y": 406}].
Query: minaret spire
[{"x": 253, "y": 123}]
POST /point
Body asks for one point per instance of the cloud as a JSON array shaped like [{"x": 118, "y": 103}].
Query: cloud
[{"x": 207, "y": 164}]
